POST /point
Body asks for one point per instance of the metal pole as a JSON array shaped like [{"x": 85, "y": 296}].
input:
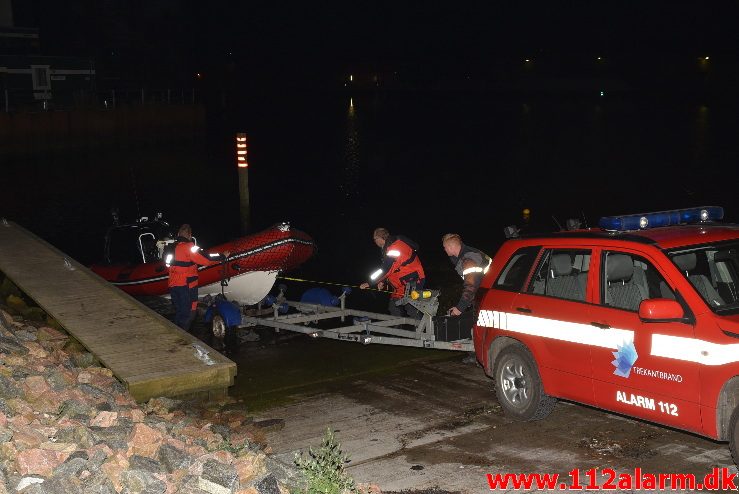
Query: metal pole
[
  {"x": 7, "y": 102},
  {"x": 112, "y": 92},
  {"x": 142, "y": 96},
  {"x": 193, "y": 96},
  {"x": 168, "y": 99},
  {"x": 243, "y": 166}
]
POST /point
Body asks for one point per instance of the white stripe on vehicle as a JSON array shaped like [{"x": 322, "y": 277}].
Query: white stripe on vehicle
[
  {"x": 393, "y": 253},
  {"x": 584, "y": 334},
  {"x": 666, "y": 346}
]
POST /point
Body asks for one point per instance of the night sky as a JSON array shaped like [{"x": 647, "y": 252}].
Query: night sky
[{"x": 277, "y": 40}]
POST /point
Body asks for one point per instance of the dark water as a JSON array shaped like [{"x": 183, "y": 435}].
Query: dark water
[{"x": 422, "y": 165}]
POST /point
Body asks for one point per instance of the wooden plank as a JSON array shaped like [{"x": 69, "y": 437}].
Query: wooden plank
[{"x": 148, "y": 353}]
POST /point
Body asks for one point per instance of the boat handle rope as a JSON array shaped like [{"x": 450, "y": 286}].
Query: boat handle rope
[{"x": 331, "y": 283}]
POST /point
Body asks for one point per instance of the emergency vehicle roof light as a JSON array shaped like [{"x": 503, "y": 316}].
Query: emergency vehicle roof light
[{"x": 661, "y": 218}]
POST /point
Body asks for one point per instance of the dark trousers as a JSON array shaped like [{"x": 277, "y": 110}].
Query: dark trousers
[
  {"x": 182, "y": 299},
  {"x": 406, "y": 310}
]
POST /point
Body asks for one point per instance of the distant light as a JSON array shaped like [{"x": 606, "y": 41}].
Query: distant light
[
  {"x": 527, "y": 60},
  {"x": 351, "y": 102},
  {"x": 707, "y": 58},
  {"x": 602, "y": 93},
  {"x": 351, "y": 78},
  {"x": 600, "y": 58},
  {"x": 199, "y": 75}
]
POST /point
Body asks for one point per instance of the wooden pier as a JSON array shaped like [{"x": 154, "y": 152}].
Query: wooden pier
[{"x": 145, "y": 351}]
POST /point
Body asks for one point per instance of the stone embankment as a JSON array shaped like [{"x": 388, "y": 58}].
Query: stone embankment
[{"x": 68, "y": 426}]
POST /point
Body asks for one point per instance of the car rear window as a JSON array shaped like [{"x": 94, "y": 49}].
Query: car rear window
[{"x": 515, "y": 272}]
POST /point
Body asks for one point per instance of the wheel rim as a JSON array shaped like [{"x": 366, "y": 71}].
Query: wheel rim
[
  {"x": 515, "y": 382},
  {"x": 219, "y": 327}
]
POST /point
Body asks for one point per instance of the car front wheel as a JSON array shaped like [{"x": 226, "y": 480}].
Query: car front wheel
[
  {"x": 518, "y": 385},
  {"x": 734, "y": 436}
]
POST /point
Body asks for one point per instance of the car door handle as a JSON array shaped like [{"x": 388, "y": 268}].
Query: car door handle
[
  {"x": 524, "y": 309},
  {"x": 600, "y": 325}
]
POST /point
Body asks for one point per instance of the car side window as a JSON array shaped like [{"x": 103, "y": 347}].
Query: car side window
[
  {"x": 562, "y": 273},
  {"x": 515, "y": 272},
  {"x": 628, "y": 279}
]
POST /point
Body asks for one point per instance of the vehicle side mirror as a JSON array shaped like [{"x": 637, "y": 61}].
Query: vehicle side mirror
[{"x": 661, "y": 310}]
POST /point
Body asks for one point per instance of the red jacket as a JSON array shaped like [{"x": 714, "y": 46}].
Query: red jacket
[
  {"x": 400, "y": 265},
  {"x": 183, "y": 266}
]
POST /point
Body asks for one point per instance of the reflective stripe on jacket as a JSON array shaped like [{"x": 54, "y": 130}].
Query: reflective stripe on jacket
[
  {"x": 400, "y": 265},
  {"x": 471, "y": 265},
  {"x": 183, "y": 266}
]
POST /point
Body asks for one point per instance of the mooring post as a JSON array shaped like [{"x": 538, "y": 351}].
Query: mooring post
[{"x": 243, "y": 166}]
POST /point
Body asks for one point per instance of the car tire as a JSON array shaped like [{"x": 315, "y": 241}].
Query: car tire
[
  {"x": 734, "y": 435},
  {"x": 518, "y": 385},
  {"x": 219, "y": 327}
]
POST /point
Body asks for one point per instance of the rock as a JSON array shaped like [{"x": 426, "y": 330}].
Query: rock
[
  {"x": 249, "y": 467},
  {"x": 5, "y": 409},
  {"x": 98, "y": 483},
  {"x": 143, "y": 463},
  {"x": 28, "y": 438},
  {"x": 70, "y": 468},
  {"x": 268, "y": 485},
  {"x": 115, "y": 436},
  {"x": 9, "y": 345},
  {"x": 61, "y": 485},
  {"x": 288, "y": 474},
  {"x": 5, "y": 434},
  {"x": 35, "y": 387},
  {"x": 83, "y": 359},
  {"x": 25, "y": 335},
  {"x": 163, "y": 405},
  {"x": 141, "y": 481},
  {"x": 73, "y": 408},
  {"x": 26, "y": 481},
  {"x": 144, "y": 441},
  {"x": 16, "y": 303},
  {"x": 79, "y": 435},
  {"x": 39, "y": 461},
  {"x": 8, "y": 389},
  {"x": 218, "y": 478},
  {"x": 105, "y": 419},
  {"x": 114, "y": 468},
  {"x": 173, "y": 459}
]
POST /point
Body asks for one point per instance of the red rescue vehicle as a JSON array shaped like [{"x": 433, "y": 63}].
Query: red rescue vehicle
[{"x": 640, "y": 316}]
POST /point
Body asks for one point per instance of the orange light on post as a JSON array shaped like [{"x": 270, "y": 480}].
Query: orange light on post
[
  {"x": 243, "y": 167},
  {"x": 241, "y": 160}
]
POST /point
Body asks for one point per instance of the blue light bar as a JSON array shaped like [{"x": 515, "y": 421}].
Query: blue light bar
[{"x": 661, "y": 218}]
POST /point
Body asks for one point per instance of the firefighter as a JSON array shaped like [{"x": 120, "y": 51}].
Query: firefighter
[
  {"x": 400, "y": 267},
  {"x": 470, "y": 263},
  {"x": 183, "y": 262}
]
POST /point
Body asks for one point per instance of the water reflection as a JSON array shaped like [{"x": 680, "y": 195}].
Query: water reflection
[{"x": 349, "y": 185}]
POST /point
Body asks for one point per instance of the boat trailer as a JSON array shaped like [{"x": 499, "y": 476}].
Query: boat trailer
[{"x": 363, "y": 327}]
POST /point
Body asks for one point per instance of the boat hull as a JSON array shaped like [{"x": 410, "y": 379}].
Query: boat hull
[{"x": 270, "y": 251}]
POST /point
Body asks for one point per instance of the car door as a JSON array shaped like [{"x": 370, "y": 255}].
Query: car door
[
  {"x": 628, "y": 378},
  {"x": 552, "y": 317}
]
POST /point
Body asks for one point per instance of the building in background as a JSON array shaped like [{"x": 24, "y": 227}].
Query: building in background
[{"x": 31, "y": 80}]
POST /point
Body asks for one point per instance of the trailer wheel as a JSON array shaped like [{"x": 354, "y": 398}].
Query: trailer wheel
[
  {"x": 219, "y": 327},
  {"x": 518, "y": 385},
  {"x": 734, "y": 435}
]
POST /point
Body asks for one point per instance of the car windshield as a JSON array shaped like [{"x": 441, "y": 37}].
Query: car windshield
[{"x": 713, "y": 270}]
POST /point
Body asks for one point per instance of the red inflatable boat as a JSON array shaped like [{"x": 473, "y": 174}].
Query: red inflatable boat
[{"x": 134, "y": 260}]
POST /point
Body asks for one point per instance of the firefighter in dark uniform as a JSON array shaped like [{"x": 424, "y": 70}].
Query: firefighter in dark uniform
[
  {"x": 471, "y": 264},
  {"x": 183, "y": 261},
  {"x": 400, "y": 267}
]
